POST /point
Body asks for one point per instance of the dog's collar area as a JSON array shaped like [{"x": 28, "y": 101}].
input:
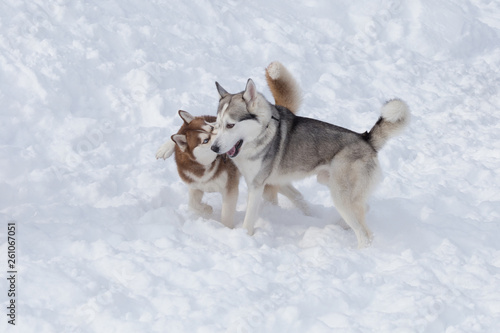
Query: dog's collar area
[{"x": 272, "y": 117}]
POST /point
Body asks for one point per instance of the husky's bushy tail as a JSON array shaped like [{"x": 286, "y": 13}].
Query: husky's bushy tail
[
  {"x": 395, "y": 117},
  {"x": 285, "y": 90}
]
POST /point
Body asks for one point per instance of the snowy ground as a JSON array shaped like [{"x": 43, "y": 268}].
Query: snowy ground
[{"x": 105, "y": 242}]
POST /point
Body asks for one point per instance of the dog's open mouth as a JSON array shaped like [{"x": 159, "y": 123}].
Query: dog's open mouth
[{"x": 235, "y": 150}]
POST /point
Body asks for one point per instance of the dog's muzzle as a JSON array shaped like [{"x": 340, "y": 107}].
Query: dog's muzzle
[{"x": 215, "y": 149}]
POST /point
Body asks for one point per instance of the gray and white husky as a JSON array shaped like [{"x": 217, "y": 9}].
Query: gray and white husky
[{"x": 271, "y": 145}]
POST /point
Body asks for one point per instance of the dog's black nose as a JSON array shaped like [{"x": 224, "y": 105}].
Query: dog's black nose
[{"x": 215, "y": 149}]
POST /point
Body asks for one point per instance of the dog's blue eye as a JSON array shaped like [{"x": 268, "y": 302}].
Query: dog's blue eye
[
  {"x": 229, "y": 125},
  {"x": 205, "y": 141}
]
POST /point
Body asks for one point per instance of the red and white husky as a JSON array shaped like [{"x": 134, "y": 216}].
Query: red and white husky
[{"x": 205, "y": 171}]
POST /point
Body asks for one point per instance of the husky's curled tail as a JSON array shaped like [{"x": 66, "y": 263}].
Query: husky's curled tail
[
  {"x": 395, "y": 117},
  {"x": 285, "y": 89}
]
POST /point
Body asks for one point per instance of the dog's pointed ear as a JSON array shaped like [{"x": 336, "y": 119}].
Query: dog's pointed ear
[
  {"x": 222, "y": 92},
  {"x": 180, "y": 140},
  {"x": 186, "y": 116},
  {"x": 250, "y": 91}
]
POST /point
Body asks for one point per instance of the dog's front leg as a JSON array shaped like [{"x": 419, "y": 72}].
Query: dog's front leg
[
  {"x": 165, "y": 150},
  {"x": 253, "y": 205}
]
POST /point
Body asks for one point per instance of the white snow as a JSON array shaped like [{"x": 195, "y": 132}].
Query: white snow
[{"x": 90, "y": 89}]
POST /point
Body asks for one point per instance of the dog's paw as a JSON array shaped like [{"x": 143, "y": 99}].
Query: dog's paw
[
  {"x": 207, "y": 210},
  {"x": 228, "y": 223},
  {"x": 166, "y": 150},
  {"x": 364, "y": 243},
  {"x": 204, "y": 210},
  {"x": 250, "y": 231},
  {"x": 249, "y": 228}
]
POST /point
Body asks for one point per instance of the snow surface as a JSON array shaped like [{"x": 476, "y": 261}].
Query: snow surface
[{"x": 90, "y": 89}]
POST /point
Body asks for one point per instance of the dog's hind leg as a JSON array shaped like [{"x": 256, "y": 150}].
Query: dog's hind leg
[
  {"x": 195, "y": 203},
  {"x": 361, "y": 216},
  {"x": 348, "y": 197},
  {"x": 296, "y": 197},
  {"x": 360, "y": 210},
  {"x": 350, "y": 215},
  {"x": 271, "y": 194}
]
